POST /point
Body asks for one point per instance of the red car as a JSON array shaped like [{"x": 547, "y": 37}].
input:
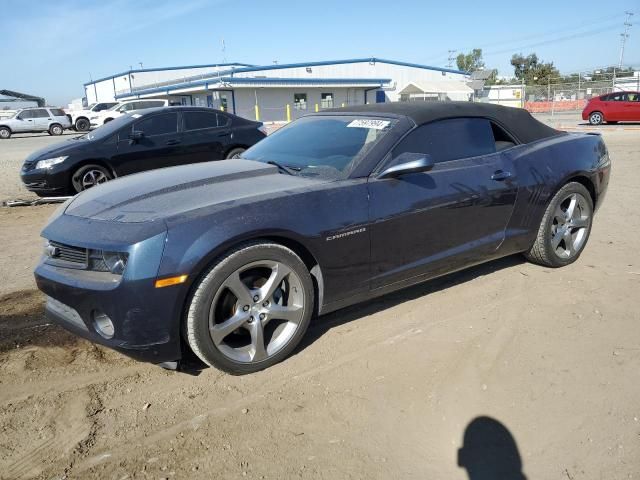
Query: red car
[{"x": 612, "y": 108}]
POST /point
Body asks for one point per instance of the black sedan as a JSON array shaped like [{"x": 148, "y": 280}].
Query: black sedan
[
  {"x": 232, "y": 259},
  {"x": 146, "y": 140}
]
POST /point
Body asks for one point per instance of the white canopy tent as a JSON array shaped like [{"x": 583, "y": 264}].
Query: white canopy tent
[{"x": 435, "y": 90}]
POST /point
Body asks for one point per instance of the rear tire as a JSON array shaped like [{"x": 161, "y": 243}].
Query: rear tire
[
  {"x": 56, "y": 129},
  {"x": 82, "y": 125},
  {"x": 5, "y": 133},
  {"x": 251, "y": 308},
  {"x": 596, "y": 118},
  {"x": 565, "y": 227},
  {"x": 89, "y": 176},
  {"x": 235, "y": 153}
]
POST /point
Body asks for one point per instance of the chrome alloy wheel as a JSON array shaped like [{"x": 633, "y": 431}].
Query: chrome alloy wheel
[
  {"x": 571, "y": 222},
  {"x": 91, "y": 178},
  {"x": 256, "y": 311}
]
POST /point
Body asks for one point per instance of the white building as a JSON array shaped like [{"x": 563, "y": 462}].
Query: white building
[{"x": 283, "y": 92}]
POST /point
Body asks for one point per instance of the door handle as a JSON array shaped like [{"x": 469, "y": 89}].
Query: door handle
[
  {"x": 500, "y": 175},
  {"x": 224, "y": 134},
  {"x": 173, "y": 142}
]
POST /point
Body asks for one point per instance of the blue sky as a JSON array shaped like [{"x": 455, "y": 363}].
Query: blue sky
[{"x": 51, "y": 48}]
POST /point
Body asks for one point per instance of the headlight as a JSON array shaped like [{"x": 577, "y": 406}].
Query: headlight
[
  {"x": 50, "y": 162},
  {"x": 102, "y": 261}
]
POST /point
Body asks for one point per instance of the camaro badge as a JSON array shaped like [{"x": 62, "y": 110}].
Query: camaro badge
[{"x": 346, "y": 234}]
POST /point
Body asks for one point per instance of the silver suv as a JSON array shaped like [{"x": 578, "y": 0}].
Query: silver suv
[{"x": 41, "y": 119}]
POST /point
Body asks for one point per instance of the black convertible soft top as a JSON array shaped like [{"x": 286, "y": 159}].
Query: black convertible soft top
[{"x": 517, "y": 121}]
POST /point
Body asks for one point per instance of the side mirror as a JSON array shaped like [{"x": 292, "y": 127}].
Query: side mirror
[
  {"x": 407, "y": 163},
  {"x": 135, "y": 136}
]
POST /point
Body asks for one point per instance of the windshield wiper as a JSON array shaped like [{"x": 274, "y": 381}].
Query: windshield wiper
[{"x": 285, "y": 168}]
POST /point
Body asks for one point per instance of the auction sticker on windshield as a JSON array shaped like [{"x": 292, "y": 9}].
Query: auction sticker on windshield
[{"x": 369, "y": 123}]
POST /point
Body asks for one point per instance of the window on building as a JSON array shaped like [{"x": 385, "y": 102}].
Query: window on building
[
  {"x": 451, "y": 139},
  {"x": 223, "y": 103},
  {"x": 200, "y": 120},
  {"x": 162, "y": 124},
  {"x": 326, "y": 100},
  {"x": 300, "y": 101}
]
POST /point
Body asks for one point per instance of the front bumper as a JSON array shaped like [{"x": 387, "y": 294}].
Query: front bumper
[
  {"x": 146, "y": 320},
  {"x": 144, "y": 326},
  {"x": 45, "y": 182}
]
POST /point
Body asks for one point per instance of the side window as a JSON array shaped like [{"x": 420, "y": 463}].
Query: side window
[
  {"x": 223, "y": 120},
  {"x": 618, "y": 97},
  {"x": 199, "y": 120},
  {"x": 40, "y": 113},
  {"x": 26, "y": 115},
  {"x": 58, "y": 112},
  {"x": 633, "y": 97},
  {"x": 162, "y": 124},
  {"x": 102, "y": 106},
  {"x": 450, "y": 139}
]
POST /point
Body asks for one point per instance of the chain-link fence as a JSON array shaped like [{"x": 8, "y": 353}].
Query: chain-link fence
[{"x": 555, "y": 97}]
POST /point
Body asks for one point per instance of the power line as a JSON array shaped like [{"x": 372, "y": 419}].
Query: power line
[{"x": 451, "y": 58}]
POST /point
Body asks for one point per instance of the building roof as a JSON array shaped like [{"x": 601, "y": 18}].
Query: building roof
[
  {"x": 161, "y": 69},
  {"x": 517, "y": 121},
  {"x": 242, "y": 68},
  {"x": 257, "y": 82}
]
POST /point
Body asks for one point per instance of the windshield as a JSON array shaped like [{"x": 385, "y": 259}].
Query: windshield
[
  {"x": 108, "y": 128},
  {"x": 114, "y": 107},
  {"x": 89, "y": 107},
  {"x": 327, "y": 146}
]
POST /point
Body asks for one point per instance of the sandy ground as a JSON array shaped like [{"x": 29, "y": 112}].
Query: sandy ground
[{"x": 389, "y": 389}]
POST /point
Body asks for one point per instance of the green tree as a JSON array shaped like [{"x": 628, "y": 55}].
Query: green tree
[
  {"x": 532, "y": 69},
  {"x": 471, "y": 61}
]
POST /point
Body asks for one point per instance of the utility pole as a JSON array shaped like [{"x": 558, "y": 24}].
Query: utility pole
[
  {"x": 451, "y": 58},
  {"x": 140, "y": 63},
  {"x": 627, "y": 25}
]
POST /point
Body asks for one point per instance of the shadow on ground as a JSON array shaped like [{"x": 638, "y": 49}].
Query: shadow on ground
[{"x": 490, "y": 452}]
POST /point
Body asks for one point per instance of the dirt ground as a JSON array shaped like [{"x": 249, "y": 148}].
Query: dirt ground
[{"x": 548, "y": 359}]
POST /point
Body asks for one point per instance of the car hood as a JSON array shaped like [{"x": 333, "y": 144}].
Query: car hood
[
  {"x": 66, "y": 147},
  {"x": 180, "y": 191}
]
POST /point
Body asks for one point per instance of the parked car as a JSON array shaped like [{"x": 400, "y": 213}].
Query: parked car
[
  {"x": 105, "y": 116},
  {"x": 613, "y": 108},
  {"x": 153, "y": 138},
  {"x": 232, "y": 259},
  {"x": 33, "y": 120},
  {"x": 80, "y": 118}
]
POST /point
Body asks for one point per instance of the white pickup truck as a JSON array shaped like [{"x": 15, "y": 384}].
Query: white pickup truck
[
  {"x": 80, "y": 118},
  {"x": 105, "y": 116}
]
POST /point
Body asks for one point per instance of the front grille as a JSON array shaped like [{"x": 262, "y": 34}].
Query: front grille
[{"x": 67, "y": 253}]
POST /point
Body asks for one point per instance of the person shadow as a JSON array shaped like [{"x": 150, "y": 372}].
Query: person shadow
[{"x": 490, "y": 452}]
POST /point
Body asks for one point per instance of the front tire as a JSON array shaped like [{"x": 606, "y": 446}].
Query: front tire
[
  {"x": 235, "y": 153},
  {"x": 5, "y": 133},
  {"x": 565, "y": 227},
  {"x": 596, "y": 118},
  {"x": 251, "y": 308},
  {"x": 89, "y": 176},
  {"x": 56, "y": 129}
]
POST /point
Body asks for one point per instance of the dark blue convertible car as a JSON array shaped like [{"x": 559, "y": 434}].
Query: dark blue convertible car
[{"x": 233, "y": 259}]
